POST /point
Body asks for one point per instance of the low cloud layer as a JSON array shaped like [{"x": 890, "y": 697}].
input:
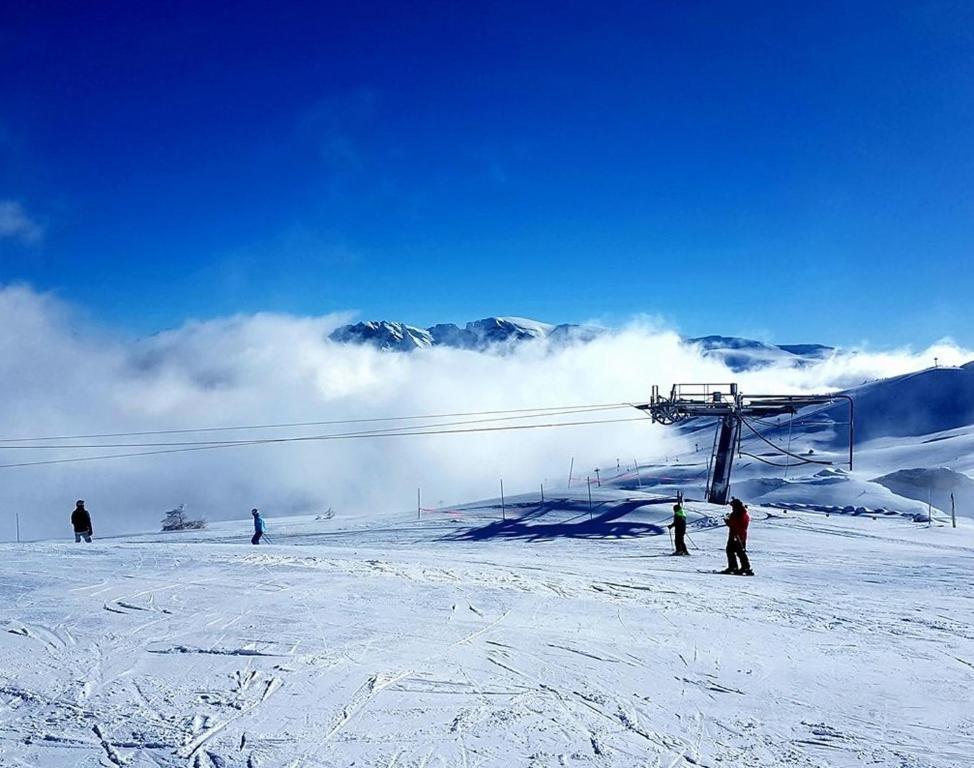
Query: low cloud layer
[{"x": 62, "y": 375}]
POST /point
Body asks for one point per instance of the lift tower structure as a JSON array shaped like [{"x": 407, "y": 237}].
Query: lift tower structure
[{"x": 732, "y": 409}]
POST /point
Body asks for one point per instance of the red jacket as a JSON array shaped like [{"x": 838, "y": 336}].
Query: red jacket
[{"x": 738, "y": 525}]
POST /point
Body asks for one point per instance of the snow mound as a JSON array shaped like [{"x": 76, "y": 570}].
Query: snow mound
[
  {"x": 933, "y": 485},
  {"x": 831, "y": 490}
]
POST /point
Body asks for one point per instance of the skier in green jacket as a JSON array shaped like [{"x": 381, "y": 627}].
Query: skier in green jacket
[{"x": 679, "y": 526}]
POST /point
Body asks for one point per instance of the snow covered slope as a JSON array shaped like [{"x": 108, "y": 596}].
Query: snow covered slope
[
  {"x": 922, "y": 403},
  {"x": 467, "y": 640},
  {"x": 935, "y": 486}
]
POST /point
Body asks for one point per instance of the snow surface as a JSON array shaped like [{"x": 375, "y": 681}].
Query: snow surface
[{"x": 561, "y": 636}]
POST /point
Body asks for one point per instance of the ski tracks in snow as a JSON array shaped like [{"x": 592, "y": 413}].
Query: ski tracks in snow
[{"x": 572, "y": 653}]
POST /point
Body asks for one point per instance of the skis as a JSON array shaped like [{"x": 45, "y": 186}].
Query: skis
[{"x": 724, "y": 573}]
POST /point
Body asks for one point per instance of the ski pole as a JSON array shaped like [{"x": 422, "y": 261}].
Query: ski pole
[{"x": 692, "y": 542}]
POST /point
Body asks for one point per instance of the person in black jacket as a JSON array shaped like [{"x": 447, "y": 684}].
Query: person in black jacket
[{"x": 81, "y": 521}]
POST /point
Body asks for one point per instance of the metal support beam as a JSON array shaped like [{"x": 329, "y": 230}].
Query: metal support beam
[
  {"x": 730, "y": 429},
  {"x": 732, "y": 409}
]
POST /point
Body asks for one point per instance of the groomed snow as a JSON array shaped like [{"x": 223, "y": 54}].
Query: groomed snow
[{"x": 463, "y": 641}]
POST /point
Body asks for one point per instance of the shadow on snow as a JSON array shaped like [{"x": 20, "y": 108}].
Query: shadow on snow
[{"x": 602, "y": 523}]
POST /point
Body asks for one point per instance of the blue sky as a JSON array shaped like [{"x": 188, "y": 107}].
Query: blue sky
[{"x": 796, "y": 171}]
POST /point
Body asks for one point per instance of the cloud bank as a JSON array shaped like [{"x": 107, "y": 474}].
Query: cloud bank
[{"x": 62, "y": 375}]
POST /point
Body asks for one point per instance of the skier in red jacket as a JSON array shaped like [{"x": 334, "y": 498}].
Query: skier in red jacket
[{"x": 737, "y": 522}]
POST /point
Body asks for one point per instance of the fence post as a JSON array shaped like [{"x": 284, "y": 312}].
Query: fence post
[
  {"x": 17, "y": 518},
  {"x": 639, "y": 481},
  {"x": 419, "y": 503},
  {"x": 953, "y": 512},
  {"x": 571, "y": 469},
  {"x": 542, "y": 493},
  {"x": 503, "y": 507},
  {"x": 589, "y": 481}
]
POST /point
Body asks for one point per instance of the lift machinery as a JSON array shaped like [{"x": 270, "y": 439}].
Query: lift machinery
[{"x": 733, "y": 410}]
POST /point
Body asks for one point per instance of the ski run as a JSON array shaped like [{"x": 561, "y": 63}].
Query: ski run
[{"x": 465, "y": 640}]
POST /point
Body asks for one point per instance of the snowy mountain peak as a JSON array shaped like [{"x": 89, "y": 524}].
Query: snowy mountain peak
[
  {"x": 479, "y": 335},
  {"x": 384, "y": 335},
  {"x": 503, "y": 333}
]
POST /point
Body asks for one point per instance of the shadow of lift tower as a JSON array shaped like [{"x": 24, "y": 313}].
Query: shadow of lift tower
[{"x": 734, "y": 410}]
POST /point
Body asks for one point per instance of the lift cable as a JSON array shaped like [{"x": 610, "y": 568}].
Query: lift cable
[
  {"x": 778, "y": 448},
  {"x": 773, "y": 463},
  {"x": 541, "y": 411},
  {"x": 340, "y": 436},
  {"x": 357, "y": 433}
]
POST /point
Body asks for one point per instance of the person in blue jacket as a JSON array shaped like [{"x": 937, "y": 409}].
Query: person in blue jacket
[{"x": 259, "y": 526}]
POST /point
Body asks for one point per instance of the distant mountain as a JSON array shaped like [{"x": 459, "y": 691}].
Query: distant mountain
[
  {"x": 747, "y": 354},
  {"x": 479, "y": 335},
  {"x": 384, "y": 335},
  {"x": 506, "y": 332}
]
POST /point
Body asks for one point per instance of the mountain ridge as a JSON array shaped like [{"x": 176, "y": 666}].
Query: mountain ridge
[{"x": 505, "y": 332}]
